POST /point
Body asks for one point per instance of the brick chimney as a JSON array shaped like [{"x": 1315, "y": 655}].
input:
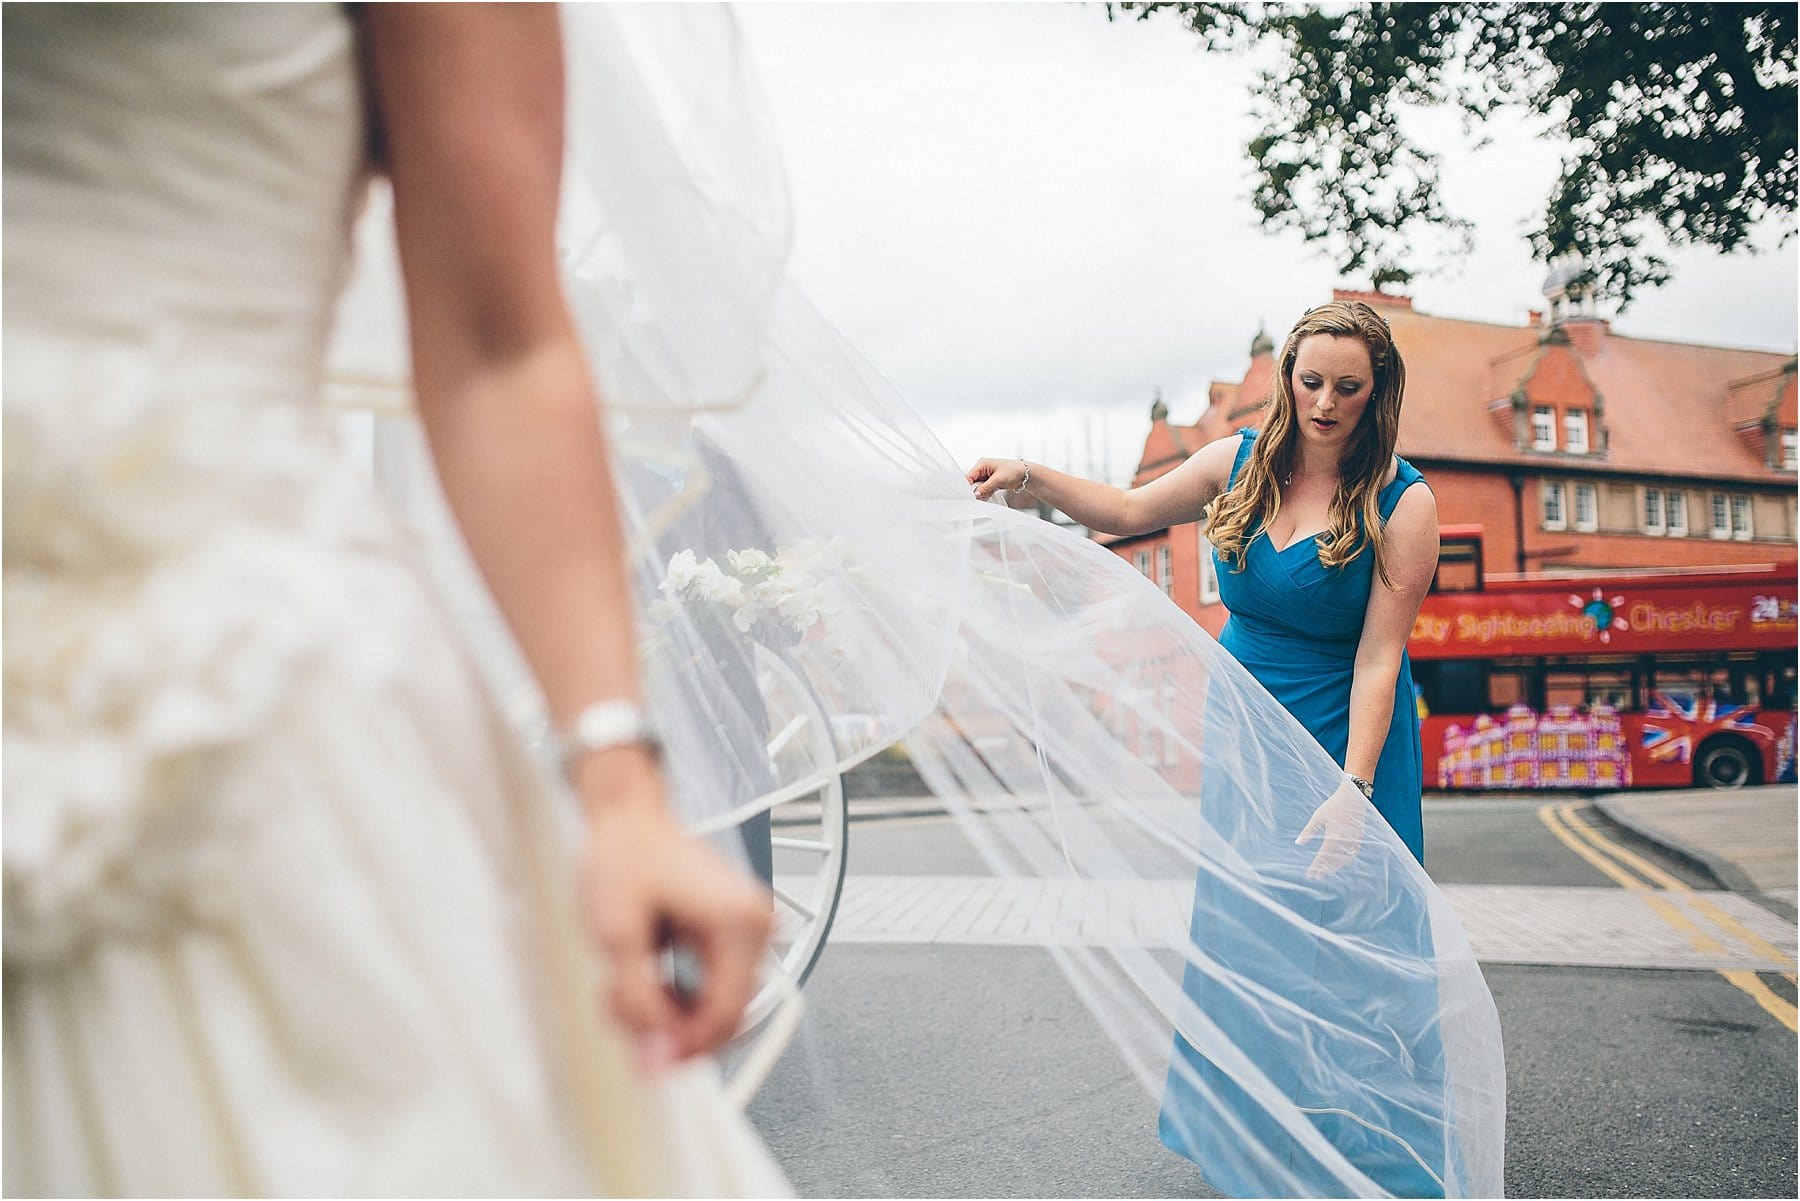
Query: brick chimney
[
  {"x": 1373, "y": 299},
  {"x": 1587, "y": 334}
]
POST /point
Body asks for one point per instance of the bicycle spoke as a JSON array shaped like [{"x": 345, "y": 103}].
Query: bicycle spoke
[
  {"x": 802, "y": 844},
  {"x": 796, "y": 906},
  {"x": 779, "y": 743}
]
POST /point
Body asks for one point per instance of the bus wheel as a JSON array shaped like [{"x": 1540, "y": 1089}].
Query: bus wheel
[{"x": 1723, "y": 764}]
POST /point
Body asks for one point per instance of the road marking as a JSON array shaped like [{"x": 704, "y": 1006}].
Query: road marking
[
  {"x": 1658, "y": 876},
  {"x": 1603, "y": 865},
  {"x": 1763, "y": 995},
  {"x": 1612, "y": 860}
]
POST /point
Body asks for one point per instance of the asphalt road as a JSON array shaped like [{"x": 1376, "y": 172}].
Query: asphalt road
[{"x": 930, "y": 1070}]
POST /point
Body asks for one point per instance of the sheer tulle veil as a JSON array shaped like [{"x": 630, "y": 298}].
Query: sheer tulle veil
[{"x": 786, "y": 505}]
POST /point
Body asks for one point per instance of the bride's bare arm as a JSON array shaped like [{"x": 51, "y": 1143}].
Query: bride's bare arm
[{"x": 470, "y": 100}]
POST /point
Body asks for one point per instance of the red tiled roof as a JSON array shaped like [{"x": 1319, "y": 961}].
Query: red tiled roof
[
  {"x": 1667, "y": 408},
  {"x": 1755, "y": 398},
  {"x": 1664, "y": 402}
]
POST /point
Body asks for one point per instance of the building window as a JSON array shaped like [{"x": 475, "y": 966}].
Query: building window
[
  {"x": 1790, "y": 450},
  {"x": 1587, "y": 508},
  {"x": 1141, "y": 561},
  {"x": 1555, "y": 515},
  {"x": 1654, "y": 518},
  {"x": 1675, "y": 505},
  {"x": 1209, "y": 573},
  {"x": 1575, "y": 431},
  {"x": 1543, "y": 428},
  {"x": 1721, "y": 516},
  {"x": 1165, "y": 570},
  {"x": 1741, "y": 528}
]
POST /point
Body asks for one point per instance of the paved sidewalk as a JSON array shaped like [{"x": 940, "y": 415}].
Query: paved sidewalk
[
  {"x": 1568, "y": 927},
  {"x": 1744, "y": 838}
]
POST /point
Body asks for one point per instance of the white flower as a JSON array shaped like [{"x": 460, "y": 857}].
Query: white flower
[
  {"x": 682, "y": 569},
  {"x": 752, "y": 562},
  {"x": 712, "y": 584},
  {"x": 794, "y": 600},
  {"x": 783, "y": 589},
  {"x": 799, "y": 615}
]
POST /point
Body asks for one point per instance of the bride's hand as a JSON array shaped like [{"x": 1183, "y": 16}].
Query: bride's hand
[
  {"x": 990, "y": 475},
  {"x": 1341, "y": 819},
  {"x": 648, "y": 885}
]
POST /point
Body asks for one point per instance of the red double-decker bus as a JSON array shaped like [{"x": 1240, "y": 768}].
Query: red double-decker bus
[{"x": 1649, "y": 680}]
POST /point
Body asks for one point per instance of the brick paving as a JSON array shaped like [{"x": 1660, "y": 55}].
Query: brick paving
[{"x": 1587, "y": 927}]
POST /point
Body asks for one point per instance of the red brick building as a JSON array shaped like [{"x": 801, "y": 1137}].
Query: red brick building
[{"x": 1574, "y": 449}]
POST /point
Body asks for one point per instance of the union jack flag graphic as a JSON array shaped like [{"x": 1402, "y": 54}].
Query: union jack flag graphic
[{"x": 1676, "y": 723}]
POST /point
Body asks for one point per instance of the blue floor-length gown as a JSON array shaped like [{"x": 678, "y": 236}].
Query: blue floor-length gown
[{"x": 1295, "y": 625}]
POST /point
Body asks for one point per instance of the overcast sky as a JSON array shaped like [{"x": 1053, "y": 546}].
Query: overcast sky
[{"x": 1029, "y": 219}]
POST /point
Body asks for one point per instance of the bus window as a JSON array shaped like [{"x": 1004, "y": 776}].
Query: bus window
[
  {"x": 1590, "y": 686},
  {"x": 1564, "y": 688},
  {"x": 1508, "y": 686},
  {"x": 1746, "y": 685},
  {"x": 1687, "y": 682},
  {"x": 1615, "y": 689},
  {"x": 1453, "y": 685},
  {"x": 1777, "y": 680}
]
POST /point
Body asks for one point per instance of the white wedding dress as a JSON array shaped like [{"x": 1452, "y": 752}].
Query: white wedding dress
[{"x": 287, "y": 909}]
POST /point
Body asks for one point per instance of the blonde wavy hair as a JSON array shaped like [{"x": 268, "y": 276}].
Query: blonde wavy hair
[{"x": 1238, "y": 515}]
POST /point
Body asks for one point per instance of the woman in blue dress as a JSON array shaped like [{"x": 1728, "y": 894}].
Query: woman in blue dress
[{"x": 1325, "y": 552}]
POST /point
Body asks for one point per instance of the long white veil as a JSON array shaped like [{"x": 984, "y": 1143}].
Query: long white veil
[{"x": 791, "y": 514}]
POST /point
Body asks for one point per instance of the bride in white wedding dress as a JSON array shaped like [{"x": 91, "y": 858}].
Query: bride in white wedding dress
[{"x": 287, "y": 908}]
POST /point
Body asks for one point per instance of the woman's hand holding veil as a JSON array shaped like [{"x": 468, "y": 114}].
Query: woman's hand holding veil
[
  {"x": 1341, "y": 819},
  {"x": 991, "y": 475}
]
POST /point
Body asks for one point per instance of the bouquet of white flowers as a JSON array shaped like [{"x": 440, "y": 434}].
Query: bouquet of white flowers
[{"x": 758, "y": 592}]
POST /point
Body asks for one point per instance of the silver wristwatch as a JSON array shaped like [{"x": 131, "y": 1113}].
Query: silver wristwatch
[
  {"x": 602, "y": 727},
  {"x": 1366, "y": 787}
]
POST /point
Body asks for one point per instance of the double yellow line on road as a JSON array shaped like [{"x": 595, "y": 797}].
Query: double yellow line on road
[{"x": 1632, "y": 871}]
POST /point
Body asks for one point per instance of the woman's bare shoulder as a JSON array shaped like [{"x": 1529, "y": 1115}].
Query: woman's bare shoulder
[{"x": 1218, "y": 456}]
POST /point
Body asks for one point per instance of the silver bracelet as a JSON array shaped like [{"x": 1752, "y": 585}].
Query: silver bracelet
[
  {"x": 1366, "y": 787},
  {"x": 1026, "y": 482},
  {"x": 601, "y": 727}
]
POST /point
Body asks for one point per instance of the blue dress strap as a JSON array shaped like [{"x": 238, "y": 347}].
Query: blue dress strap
[
  {"x": 1405, "y": 477},
  {"x": 1245, "y": 443}
]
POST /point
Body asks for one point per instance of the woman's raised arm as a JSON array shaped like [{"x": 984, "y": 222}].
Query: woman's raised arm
[{"x": 1180, "y": 496}]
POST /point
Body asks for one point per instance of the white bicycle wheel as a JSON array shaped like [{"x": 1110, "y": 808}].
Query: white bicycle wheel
[{"x": 808, "y": 835}]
